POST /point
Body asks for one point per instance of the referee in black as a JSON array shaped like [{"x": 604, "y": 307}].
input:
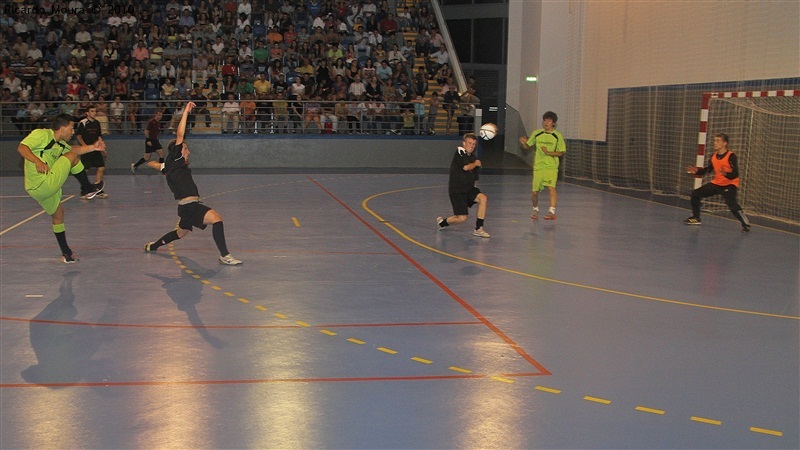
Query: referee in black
[{"x": 88, "y": 132}]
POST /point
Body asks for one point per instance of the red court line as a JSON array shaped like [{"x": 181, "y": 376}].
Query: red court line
[
  {"x": 256, "y": 381},
  {"x": 441, "y": 285},
  {"x": 233, "y": 327},
  {"x": 398, "y": 324}
]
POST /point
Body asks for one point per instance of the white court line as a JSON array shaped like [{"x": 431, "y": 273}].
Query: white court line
[
  {"x": 14, "y": 196},
  {"x": 30, "y": 218}
]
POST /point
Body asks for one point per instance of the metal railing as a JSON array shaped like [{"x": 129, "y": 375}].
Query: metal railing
[{"x": 269, "y": 116}]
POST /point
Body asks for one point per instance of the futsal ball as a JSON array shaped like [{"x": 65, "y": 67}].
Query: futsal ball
[{"x": 488, "y": 131}]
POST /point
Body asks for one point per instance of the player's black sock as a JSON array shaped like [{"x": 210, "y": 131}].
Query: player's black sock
[
  {"x": 83, "y": 179},
  {"x": 218, "y": 231},
  {"x": 444, "y": 223},
  {"x": 742, "y": 217},
  {"x": 478, "y": 223},
  {"x": 166, "y": 239},
  {"x": 139, "y": 162},
  {"x": 61, "y": 237},
  {"x": 161, "y": 160}
]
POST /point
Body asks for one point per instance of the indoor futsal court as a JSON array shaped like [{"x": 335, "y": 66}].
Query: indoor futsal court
[{"x": 354, "y": 323}]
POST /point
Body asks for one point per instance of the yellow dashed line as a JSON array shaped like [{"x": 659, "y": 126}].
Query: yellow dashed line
[
  {"x": 650, "y": 410},
  {"x": 460, "y": 369},
  {"x": 597, "y": 400},
  {"x": 708, "y": 421},
  {"x": 765, "y": 431},
  {"x": 504, "y": 380},
  {"x": 547, "y": 389},
  {"x": 295, "y": 221}
]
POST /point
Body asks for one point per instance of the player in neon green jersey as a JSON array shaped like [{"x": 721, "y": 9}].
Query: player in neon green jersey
[
  {"x": 49, "y": 159},
  {"x": 549, "y": 146}
]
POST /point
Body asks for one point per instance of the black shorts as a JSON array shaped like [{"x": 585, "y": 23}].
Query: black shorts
[
  {"x": 151, "y": 145},
  {"x": 462, "y": 201},
  {"x": 192, "y": 215},
  {"x": 93, "y": 159}
]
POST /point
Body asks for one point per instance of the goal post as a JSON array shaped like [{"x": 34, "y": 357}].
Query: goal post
[{"x": 764, "y": 132}]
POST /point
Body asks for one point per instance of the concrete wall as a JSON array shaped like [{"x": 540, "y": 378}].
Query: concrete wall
[
  {"x": 272, "y": 152},
  {"x": 581, "y": 49}
]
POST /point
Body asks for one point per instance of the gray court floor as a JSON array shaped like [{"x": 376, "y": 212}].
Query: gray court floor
[{"x": 353, "y": 323}]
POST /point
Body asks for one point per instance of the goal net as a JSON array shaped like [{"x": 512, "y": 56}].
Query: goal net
[{"x": 764, "y": 132}]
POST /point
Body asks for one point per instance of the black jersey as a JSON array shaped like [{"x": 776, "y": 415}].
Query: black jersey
[
  {"x": 178, "y": 173},
  {"x": 461, "y": 181},
  {"x": 89, "y": 130}
]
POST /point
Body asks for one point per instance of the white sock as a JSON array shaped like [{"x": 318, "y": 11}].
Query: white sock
[
  {"x": 536, "y": 209},
  {"x": 552, "y": 210}
]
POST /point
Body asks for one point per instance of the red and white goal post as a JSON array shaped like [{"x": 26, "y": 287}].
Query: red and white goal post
[{"x": 764, "y": 132}]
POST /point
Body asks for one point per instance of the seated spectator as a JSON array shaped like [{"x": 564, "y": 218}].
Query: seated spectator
[
  {"x": 262, "y": 86},
  {"x": 116, "y": 114},
  {"x": 168, "y": 91},
  {"x": 248, "y": 114},
  {"x": 230, "y": 114},
  {"x": 384, "y": 72}
]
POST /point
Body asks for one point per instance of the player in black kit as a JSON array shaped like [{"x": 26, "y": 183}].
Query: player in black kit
[
  {"x": 88, "y": 132},
  {"x": 463, "y": 192},
  {"x": 190, "y": 210}
]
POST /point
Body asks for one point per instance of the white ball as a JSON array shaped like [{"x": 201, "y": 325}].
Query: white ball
[{"x": 488, "y": 131}]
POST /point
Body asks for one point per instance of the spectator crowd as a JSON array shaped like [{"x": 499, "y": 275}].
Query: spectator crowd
[{"x": 277, "y": 65}]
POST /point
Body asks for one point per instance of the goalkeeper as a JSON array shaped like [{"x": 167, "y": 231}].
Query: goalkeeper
[{"x": 725, "y": 166}]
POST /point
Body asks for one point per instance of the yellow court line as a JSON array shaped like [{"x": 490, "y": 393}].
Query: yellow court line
[
  {"x": 356, "y": 341},
  {"x": 650, "y": 410},
  {"x": 387, "y": 350},
  {"x": 244, "y": 300},
  {"x": 547, "y": 389},
  {"x": 708, "y": 421},
  {"x": 295, "y": 221},
  {"x": 459, "y": 369},
  {"x": 504, "y": 380},
  {"x": 765, "y": 431},
  {"x": 421, "y": 360},
  {"x": 328, "y": 332},
  {"x": 260, "y": 308},
  {"x": 551, "y": 280},
  {"x": 597, "y": 400}
]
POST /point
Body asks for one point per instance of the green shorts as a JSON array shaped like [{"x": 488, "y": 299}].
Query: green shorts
[
  {"x": 544, "y": 177},
  {"x": 48, "y": 194}
]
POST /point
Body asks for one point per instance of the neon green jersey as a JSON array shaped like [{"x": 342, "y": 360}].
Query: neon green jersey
[
  {"x": 43, "y": 144},
  {"x": 553, "y": 142}
]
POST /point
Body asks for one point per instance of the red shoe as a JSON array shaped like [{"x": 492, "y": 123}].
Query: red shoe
[{"x": 550, "y": 216}]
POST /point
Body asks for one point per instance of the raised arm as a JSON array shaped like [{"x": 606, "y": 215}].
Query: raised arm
[{"x": 182, "y": 124}]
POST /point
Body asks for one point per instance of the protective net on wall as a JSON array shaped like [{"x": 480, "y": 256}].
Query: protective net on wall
[
  {"x": 764, "y": 132},
  {"x": 652, "y": 136}
]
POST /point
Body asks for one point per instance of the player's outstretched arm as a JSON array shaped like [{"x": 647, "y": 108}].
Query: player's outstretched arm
[{"x": 179, "y": 133}]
